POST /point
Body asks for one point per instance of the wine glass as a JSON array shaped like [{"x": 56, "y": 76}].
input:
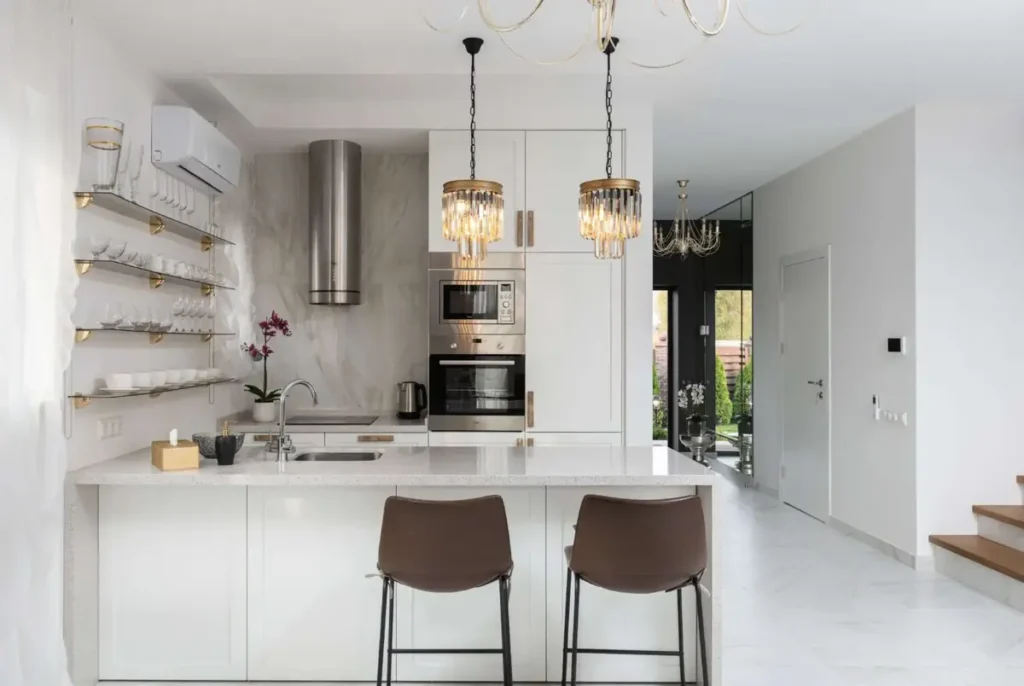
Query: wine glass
[
  {"x": 122, "y": 166},
  {"x": 98, "y": 245},
  {"x": 116, "y": 250},
  {"x": 111, "y": 316},
  {"x": 135, "y": 170},
  {"x": 154, "y": 192},
  {"x": 163, "y": 185},
  {"x": 178, "y": 310},
  {"x": 190, "y": 203}
]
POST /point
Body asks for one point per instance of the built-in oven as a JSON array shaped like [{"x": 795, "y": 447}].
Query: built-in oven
[
  {"x": 484, "y": 299},
  {"x": 477, "y": 384}
]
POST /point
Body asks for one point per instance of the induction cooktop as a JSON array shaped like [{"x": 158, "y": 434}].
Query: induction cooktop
[{"x": 335, "y": 419}]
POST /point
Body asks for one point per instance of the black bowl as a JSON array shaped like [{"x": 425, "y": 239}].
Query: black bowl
[{"x": 207, "y": 443}]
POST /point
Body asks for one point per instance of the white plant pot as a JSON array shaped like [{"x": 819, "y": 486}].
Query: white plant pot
[{"x": 264, "y": 412}]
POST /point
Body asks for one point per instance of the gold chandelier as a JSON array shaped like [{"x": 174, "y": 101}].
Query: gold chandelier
[
  {"x": 603, "y": 21},
  {"x": 472, "y": 211},
  {"x": 610, "y": 208},
  {"x": 686, "y": 236}
]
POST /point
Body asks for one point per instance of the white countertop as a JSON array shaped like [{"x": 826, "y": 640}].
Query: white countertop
[
  {"x": 385, "y": 423},
  {"x": 437, "y": 466}
]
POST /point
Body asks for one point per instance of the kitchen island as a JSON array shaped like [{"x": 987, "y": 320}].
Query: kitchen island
[{"x": 264, "y": 572}]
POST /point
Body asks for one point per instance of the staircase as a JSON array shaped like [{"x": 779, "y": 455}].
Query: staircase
[{"x": 992, "y": 562}]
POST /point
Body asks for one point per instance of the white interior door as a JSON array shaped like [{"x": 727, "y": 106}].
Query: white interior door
[{"x": 806, "y": 446}]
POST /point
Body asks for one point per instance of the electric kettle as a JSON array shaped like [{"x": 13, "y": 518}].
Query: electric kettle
[{"x": 412, "y": 399}]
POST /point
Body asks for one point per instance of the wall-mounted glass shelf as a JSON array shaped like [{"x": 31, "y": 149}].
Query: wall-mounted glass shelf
[
  {"x": 157, "y": 222},
  {"x": 85, "y": 333},
  {"x": 80, "y": 400},
  {"x": 156, "y": 279}
]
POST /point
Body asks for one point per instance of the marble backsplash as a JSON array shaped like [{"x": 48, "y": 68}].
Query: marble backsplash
[{"x": 354, "y": 355}]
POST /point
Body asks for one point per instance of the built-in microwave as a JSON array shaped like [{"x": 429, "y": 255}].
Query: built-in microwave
[
  {"x": 489, "y": 298},
  {"x": 477, "y": 384}
]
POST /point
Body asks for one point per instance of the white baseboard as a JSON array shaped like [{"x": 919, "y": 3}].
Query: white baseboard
[
  {"x": 918, "y": 562},
  {"x": 986, "y": 581}
]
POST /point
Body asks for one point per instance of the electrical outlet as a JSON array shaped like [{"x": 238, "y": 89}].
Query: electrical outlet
[{"x": 108, "y": 427}]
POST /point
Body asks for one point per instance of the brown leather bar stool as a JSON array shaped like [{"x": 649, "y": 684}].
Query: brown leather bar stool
[
  {"x": 444, "y": 546},
  {"x": 637, "y": 546}
]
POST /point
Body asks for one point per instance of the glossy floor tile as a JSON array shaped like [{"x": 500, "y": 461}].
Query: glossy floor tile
[{"x": 805, "y": 604}]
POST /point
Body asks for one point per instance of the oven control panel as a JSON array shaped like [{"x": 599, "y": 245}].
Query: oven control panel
[{"x": 506, "y": 300}]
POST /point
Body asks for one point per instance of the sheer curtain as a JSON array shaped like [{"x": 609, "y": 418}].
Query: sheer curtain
[{"x": 37, "y": 149}]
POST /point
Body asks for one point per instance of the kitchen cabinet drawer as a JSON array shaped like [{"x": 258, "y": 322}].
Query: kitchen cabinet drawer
[
  {"x": 302, "y": 440},
  {"x": 539, "y": 440},
  {"x": 379, "y": 440},
  {"x": 508, "y": 439}
]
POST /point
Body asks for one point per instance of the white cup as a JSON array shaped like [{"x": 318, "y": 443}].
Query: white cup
[
  {"x": 142, "y": 380},
  {"x": 157, "y": 264},
  {"x": 213, "y": 373},
  {"x": 173, "y": 376},
  {"x": 202, "y": 374},
  {"x": 118, "y": 381},
  {"x": 158, "y": 378},
  {"x": 188, "y": 374}
]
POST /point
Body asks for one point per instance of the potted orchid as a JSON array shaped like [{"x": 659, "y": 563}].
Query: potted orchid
[
  {"x": 691, "y": 397},
  {"x": 263, "y": 404}
]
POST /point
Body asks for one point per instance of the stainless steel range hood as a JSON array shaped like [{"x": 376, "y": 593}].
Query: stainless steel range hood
[{"x": 335, "y": 222}]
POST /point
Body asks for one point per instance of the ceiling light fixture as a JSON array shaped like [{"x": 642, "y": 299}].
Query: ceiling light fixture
[
  {"x": 472, "y": 211},
  {"x": 609, "y": 208},
  {"x": 603, "y": 20},
  {"x": 686, "y": 236}
]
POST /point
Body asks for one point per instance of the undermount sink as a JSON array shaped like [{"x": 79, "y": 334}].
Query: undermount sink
[{"x": 351, "y": 456}]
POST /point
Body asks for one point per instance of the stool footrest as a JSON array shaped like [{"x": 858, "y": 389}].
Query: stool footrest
[
  {"x": 609, "y": 651},
  {"x": 446, "y": 651}
]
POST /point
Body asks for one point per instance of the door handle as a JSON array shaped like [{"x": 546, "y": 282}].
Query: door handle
[
  {"x": 376, "y": 439},
  {"x": 519, "y": 229},
  {"x": 529, "y": 442},
  {"x": 820, "y": 383},
  {"x": 529, "y": 228},
  {"x": 519, "y": 443},
  {"x": 529, "y": 409}
]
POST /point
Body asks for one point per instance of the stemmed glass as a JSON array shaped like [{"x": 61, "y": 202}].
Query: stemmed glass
[
  {"x": 122, "y": 166},
  {"x": 98, "y": 245},
  {"x": 135, "y": 170},
  {"x": 178, "y": 310},
  {"x": 190, "y": 203},
  {"x": 154, "y": 192},
  {"x": 163, "y": 186}
]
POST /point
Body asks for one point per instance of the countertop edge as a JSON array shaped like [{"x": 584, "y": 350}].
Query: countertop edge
[{"x": 568, "y": 481}]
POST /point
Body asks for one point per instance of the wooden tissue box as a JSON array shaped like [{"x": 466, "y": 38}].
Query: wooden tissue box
[{"x": 168, "y": 458}]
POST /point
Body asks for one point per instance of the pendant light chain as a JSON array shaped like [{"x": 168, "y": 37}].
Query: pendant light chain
[
  {"x": 472, "y": 117},
  {"x": 608, "y": 109}
]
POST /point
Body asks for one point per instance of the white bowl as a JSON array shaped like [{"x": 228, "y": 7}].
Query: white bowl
[
  {"x": 115, "y": 381},
  {"x": 173, "y": 376},
  {"x": 213, "y": 373},
  {"x": 142, "y": 380},
  {"x": 202, "y": 374},
  {"x": 158, "y": 378},
  {"x": 188, "y": 374}
]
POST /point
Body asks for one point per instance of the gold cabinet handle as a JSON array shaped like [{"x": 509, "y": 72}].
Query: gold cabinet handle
[
  {"x": 529, "y": 409},
  {"x": 529, "y": 228},
  {"x": 519, "y": 229},
  {"x": 529, "y": 442},
  {"x": 376, "y": 439},
  {"x": 262, "y": 438},
  {"x": 519, "y": 443}
]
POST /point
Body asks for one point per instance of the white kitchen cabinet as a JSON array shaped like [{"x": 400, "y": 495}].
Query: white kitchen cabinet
[
  {"x": 507, "y": 439},
  {"x": 556, "y": 163},
  {"x": 313, "y": 614},
  {"x": 538, "y": 440},
  {"x": 299, "y": 440},
  {"x": 375, "y": 440},
  {"x": 172, "y": 583},
  {"x": 574, "y": 343},
  {"x": 622, "y": 621},
  {"x": 500, "y": 157},
  {"x": 471, "y": 619}
]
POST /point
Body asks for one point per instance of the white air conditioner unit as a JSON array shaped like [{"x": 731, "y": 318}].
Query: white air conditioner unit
[{"x": 188, "y": 147}]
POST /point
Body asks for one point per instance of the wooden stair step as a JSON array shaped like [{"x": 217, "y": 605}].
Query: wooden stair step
[
  {"x": 1007, "y": 514},
  {"x": 995, "y": 556},
  {"x": 1020, "y": 479}
]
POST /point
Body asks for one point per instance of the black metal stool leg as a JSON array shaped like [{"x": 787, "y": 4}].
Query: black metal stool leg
[
  {"x": 506, "y": 633},
  {"x": 383, "y": 619},
  {"x": 679, "y": 621},
  {"x": 565, "y": 627},
  {"x": 575, "y": 626},
  {"x": 391, "y": 628},
  {"x": 700, "y": 633}
]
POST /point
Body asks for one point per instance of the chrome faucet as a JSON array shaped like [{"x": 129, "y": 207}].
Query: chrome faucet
[{"x": 284, "y": 441}]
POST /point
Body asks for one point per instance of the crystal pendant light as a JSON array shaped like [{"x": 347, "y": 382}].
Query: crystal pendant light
[
  {"x": 609, "y": 208},
  {"x": 472, "y": 211}
]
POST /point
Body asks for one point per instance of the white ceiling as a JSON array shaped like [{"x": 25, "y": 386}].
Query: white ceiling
[{"x": 741, "y": 111}]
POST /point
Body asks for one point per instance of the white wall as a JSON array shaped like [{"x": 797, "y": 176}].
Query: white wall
[
  {"x": 108, "y": 83},
  {"x": 970, "y": 172},
  {"x": 858, "y": 198},
  {"x": 354, "y": 355}
]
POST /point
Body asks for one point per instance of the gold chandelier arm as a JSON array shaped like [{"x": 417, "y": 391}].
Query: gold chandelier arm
[
  {"x": 462, "y": 15},
  {"x": 546, "y": 63},
  {"x": 485, "y": 14},
  {"x": 661, "y": 11},
  {"x": 723, "y": 15},
  {"x": 604, "y": 11},
  {"x": 670, "y": 64},
  {"x": 810, "y": 16}
]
